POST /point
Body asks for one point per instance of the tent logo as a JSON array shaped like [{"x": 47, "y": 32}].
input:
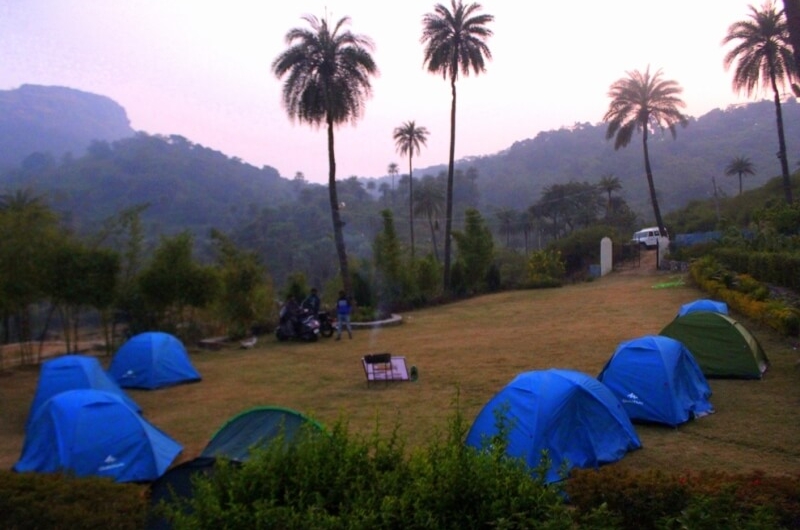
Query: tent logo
[
  {"x": 632, "y": 399},
  {"x": 110, "y": 463}
]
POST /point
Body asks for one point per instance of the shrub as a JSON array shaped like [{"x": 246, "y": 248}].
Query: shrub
[
  {"x": 34, "y": 500},
  {"x": 545, "y": 269}
]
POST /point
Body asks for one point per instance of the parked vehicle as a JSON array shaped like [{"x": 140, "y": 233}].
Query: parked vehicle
[
  {"x": 305, "y": 326},
  {"x": 327, "y": 325},
  {"x": 649, "y": 237}
]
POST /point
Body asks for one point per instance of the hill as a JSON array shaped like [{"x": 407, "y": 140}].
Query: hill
[
  {"x": 683, "y": 168},
  {"x": 189, "y": 186},
  {"x": 56, "y": 120}
]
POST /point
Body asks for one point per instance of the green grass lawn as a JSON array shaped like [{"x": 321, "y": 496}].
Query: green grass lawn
[{"x": 468, "y": 351}]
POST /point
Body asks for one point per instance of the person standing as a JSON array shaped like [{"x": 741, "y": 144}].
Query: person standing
[
  {"x": 343, "y": 309},
  {"x": 312, "y": 302}
]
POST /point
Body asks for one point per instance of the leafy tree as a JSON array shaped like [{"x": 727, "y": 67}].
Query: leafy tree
[
  {"x": 328, "y": 81},
  {"x": 173, "y": 285},
  {"x": 80, "y": 277},
  {"x": 455, "y": 41},
  {"x": 409, "y": 138},
  {"x": 429, "y": 201},
  {"x": 741, "y": 165},
  {"x": 245, "y": 287},
  {"x": 390, "y": 276},
  {"x": 569, "y": 206},
  {"x": 763, "y": 57},
  {"x": 29, "y": 231},
  {"x": 641, "y": 102},
  {"x": 475, "y": 249}
]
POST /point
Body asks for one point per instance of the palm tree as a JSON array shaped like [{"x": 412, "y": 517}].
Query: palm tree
[
  {"x": 508, "y": 222},
  {"x": 455, "y": 41},
  {"x": 741, "y": 165},
  {"x": 328, "y": 80},
  {"x": 609, "y": 184},
  {"x": 763, "y": 57},
  {"x": 428, "y": 201},
  {"x": 393, "y": 170},
  {"x": 409, "y": 138},
  {"x": 641, "y": 102}
]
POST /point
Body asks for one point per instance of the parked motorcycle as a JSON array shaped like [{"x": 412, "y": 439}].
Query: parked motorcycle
[
  {"x": 304, "y": 327},
  {"x": 326, "y": 324}
]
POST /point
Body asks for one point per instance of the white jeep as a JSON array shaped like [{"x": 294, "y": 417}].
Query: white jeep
[{"x": 648, "y": 237}]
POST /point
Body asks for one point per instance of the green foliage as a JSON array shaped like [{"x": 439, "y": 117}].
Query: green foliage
[
  {"x": 746, "y": 295},
  {"x": 704, "y": 500},
  {"x": 545, "y": 269},
  {"x": 582, "y": 247},
  {"x": 340, "y": 481},
  {"x": 245, "y": 295},
  {"x": 475, "y": 251},
  {"x": 392, "y": 279},
  {"x": 513, "y": 268},
  {"x": 428, "y": 279},
  {"x": 36, "y": 500},
  {"x": 171, "y": 286}
]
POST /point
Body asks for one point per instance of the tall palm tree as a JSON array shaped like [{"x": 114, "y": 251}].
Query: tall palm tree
[
  {"x": 409, "y": 139},
  {"x": 328, "y": 80},
  {"x": 455, "y": 42},
  {"x": 741, "y": 165},
  {"x": 609, "y": 184},
  {"x": 763, "y": 57},
  {"x": 641, "y": 102},
  {"x": 393, "y": 170},
  {"x": 429, "y": 201}
]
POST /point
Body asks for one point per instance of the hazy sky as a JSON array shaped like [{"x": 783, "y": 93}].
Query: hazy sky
[{"x": 202, "y": 69}]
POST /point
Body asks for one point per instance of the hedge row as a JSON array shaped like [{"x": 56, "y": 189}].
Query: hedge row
[
  {"x": 745, "y": 295},
  {"x": 777, "y": 268}
]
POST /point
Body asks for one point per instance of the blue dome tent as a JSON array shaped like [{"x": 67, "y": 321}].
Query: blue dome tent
[
  {"x": 571, "y": 415},
  {"x": 73, "y": 372},
  {"x": 657, "y": 380},
  {"x": 94, "y": 433},
  {"x": 703, "y": 304},
  {"x": 152, "y": 360}
]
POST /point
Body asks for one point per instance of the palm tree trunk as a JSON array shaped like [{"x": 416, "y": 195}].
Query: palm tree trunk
[
  {"x": 650, "y": 183},
  {"x": 336, "y": 217},
  {"x": 448, "y": 221},
  {"x": 433, "y": 238},
  {"x": 787, "y": 183},
  {"x": 411, "y": 200}
]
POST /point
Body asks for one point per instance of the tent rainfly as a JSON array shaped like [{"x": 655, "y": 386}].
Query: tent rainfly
[
  {"x": 152, "y": 360},
  {"x": 657, "y": 381},
  {"x": 572, "y": 416},
  {"x": 722, "y": 346}
]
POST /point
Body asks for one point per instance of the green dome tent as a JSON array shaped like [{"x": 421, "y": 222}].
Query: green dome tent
[{"x": 722, "y": 346}]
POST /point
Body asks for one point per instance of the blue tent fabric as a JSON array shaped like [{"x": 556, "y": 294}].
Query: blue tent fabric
[
  {"x": 657, "y": 380},
  {"x": 704, "y": 304},
  {"x": 256, "y": 427},
  {"x": 94, "y": 433},
  {"x": 571, "y": 415},
  {"x": 152, "y": 360},
  {"x": 73, "y": 372}
]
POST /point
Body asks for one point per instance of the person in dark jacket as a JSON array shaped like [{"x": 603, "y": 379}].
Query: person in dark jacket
[
  {"x": 312, "y": 302},
  {"x": 343, "y": 310}
]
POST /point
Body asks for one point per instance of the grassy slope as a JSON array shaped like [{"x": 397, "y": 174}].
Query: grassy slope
[{"x": 473, "y": 348}]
